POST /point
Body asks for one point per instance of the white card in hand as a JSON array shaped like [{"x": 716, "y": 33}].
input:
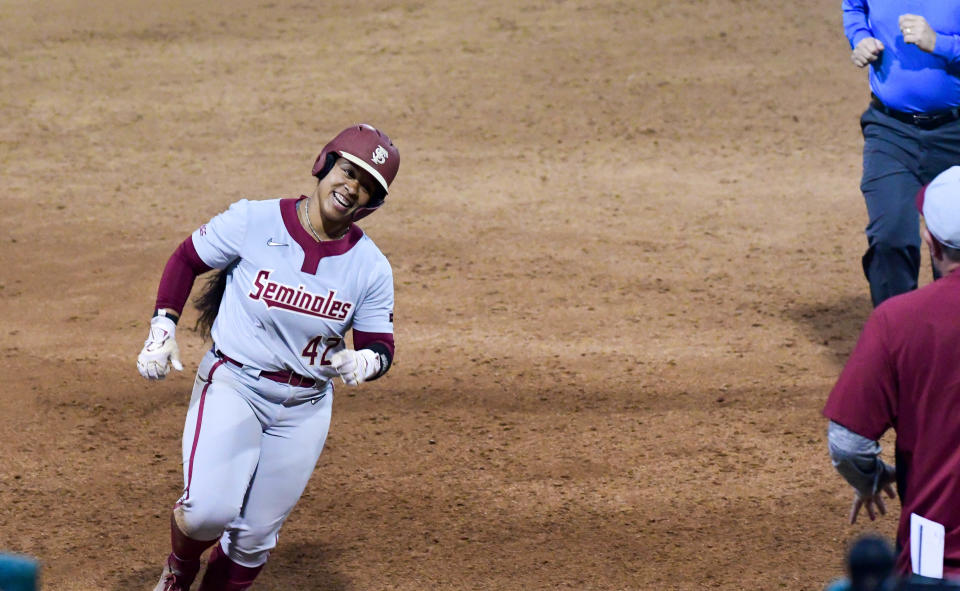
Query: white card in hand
[{"x": 926, "y": 547}]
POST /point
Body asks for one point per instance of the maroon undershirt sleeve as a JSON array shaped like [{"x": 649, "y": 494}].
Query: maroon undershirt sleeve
[
  {"x": 363, "y": 340},
  {"x": 178, "y": 276}
]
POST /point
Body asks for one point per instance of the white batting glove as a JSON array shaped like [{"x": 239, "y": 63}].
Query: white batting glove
[
  {"x": 355, "y": 367},
  {"x": 160, "y": 350}
]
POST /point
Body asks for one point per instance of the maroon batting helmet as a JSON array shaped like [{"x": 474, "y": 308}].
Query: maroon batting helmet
[{"x": 368, "y": 148}]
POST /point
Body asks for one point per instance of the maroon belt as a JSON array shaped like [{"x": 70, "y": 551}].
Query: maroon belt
[{"x": 284, "y": 377}]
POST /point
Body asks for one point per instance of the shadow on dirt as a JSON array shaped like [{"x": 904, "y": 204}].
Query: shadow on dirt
[
  {"x": 304, "y": 567},
  {"x": 142, "y": 578},
  {"x": 836, "y": 325}
]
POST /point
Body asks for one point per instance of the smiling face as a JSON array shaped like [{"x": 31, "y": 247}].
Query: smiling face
[{"x": 343, "y": 190}]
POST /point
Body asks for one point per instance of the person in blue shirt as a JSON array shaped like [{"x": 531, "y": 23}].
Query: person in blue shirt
[{"x": 911, "y": 129}]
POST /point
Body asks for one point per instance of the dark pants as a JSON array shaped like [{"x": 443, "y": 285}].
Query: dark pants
[
  {"x": 917, "y": 581},
  {"x": 898, "y": 159}
]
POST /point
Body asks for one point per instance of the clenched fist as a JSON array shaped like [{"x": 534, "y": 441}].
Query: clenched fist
[
  {"x": 355, "y": 367},
  {"x": 916, "y": 30},
  {"x": 866, "y": 52}
]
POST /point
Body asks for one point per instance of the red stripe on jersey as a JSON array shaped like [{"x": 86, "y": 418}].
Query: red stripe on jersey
[{"x": 196, "y": 430}]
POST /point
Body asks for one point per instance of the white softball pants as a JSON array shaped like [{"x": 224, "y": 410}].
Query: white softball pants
[{"x": 249, "y": 448}]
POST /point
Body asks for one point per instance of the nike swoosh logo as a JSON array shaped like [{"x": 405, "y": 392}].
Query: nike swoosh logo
[{"x": 272, "y": 243}]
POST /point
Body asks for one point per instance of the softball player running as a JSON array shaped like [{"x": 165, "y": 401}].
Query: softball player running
[{"x": 294, "y": 276}]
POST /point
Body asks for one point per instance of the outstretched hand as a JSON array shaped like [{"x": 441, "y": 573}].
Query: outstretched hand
[{"x": 874, "y": 503}]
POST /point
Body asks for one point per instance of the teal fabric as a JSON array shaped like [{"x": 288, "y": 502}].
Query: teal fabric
[{"x": 18, "y": 573}]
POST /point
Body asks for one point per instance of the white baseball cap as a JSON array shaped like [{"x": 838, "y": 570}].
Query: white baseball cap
[{"x": 939, "y": 204}]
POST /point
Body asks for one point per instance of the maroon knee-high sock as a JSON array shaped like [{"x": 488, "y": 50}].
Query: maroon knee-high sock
[
  {"x": 223, "y": 574},
  {"x": 185, "y": 558}
]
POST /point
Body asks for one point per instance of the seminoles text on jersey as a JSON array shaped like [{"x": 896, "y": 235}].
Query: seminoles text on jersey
[{"x": 278, "y": 295}]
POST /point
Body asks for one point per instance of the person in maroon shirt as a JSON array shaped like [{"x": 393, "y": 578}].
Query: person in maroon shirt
[{"x": 904, "y": 373}]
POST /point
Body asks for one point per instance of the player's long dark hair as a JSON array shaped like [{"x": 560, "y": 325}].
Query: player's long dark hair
[{"x": 208, "y": 302}]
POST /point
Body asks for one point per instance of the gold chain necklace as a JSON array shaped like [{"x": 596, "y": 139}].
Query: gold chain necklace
[{"x": 305, "y": 216}]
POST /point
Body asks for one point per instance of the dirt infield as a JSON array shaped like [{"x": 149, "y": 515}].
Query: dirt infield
[{"x": 626, "y": 239}]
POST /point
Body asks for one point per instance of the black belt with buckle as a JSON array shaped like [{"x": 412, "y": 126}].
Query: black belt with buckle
[{"x": 921, "y": 120}]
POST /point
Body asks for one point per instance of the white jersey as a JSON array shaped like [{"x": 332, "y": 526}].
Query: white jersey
[{"x": 290, "y": 300}]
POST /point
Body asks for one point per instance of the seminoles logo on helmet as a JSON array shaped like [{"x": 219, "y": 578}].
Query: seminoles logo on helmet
[
  {"x": 380, "y": 155},
  {"x": 352, "y": 143}
]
